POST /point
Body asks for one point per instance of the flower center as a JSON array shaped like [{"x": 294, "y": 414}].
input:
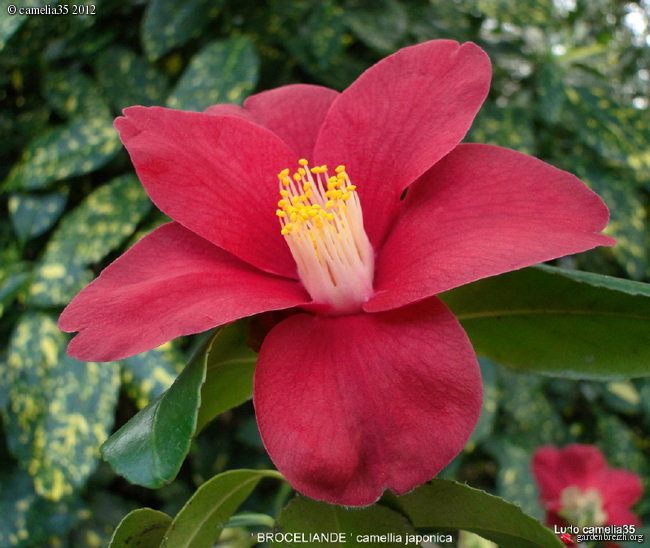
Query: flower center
[
  {"x": 322, "y": 223},
  {"x": 582, "y": 508}
]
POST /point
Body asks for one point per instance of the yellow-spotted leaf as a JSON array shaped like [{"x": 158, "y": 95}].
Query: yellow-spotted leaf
[
  {"x": 222, "y": 72},
  {"x": 617, "y": 132},
  {"x": 147, "y": 375},
  {"x": 128, "y": 79},
  {"x": 73, "y": 95},
  {"x": 103, "y": 221},
  {"x": 59, "y": 410},
  {"x": 168, "y": 24},
  {"x": 71, "y": 150},
  {"x": 34, "y": 214},
  {"x": 27, "y": 520}
]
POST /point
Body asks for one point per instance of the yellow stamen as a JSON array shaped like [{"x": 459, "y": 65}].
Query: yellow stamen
[{"x": 323, "y": 226}]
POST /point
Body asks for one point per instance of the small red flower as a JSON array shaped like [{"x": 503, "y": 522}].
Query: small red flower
[
  {"x": 577, "y": 488},
  {"x": 372, "y": 384},
  {"x": 566, "y": 538}
]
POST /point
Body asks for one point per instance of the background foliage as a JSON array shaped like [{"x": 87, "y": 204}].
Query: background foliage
[{"x": 571, "y": 85}]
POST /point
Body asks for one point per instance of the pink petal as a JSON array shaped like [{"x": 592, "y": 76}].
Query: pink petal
[
  {"x": 482, "y": 211},
  {"x": 170, "y": 283},
  {"x": 295, "y": 113},
  {"x": 581, "y": 465},
  {"x": 351, "y": 405},
  {"x": 620, "y": 487},
  {"x": 215, "y": 175},
  {"x": 545, "y": 468},
  {"x": 399, "y": 118},
  {"x": 620, "y": 515}
]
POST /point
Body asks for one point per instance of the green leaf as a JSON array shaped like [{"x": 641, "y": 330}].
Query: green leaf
[
  {"x": 103, "y": 221},
  {"x": 13, "y": 280},
  {"x": 447, "y": 505},
  {"x": 312, "y": 32},
  {"x": 514, "y": 481},
  {"x": 222, "y": 72},
  {"x": 201, "y": 521},
  {"x": 309, "y": 517},
  {"x": 490, "y": 404},
  {"x": 168, "y": 24},
  {"x": 27, "y": 520},
  {"x": 142, "y": 528},
  {"x": 617, "y": 132},
  {"x": 532, "y": 13},
  {"x": 150, "y": 449},
  {"x": 509, "y": 126},
  {"x": 75, "y": 149},
  {"x": 34, "y": 214},
  {"x": 127, "y": 79},
  {"x": 75, "y": 96},
  {"x": 628, "y": 221},
  {"x": 229, "y": 379},
  {"x": 60, "y": 409},
  {"x": 558, "y": 322},
  {"x": 380, "y": 25}
]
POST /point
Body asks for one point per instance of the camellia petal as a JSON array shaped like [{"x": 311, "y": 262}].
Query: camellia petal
[
  {"x": 481, "y": 211},
  {"x": 170, "y": 283},
  {"x": 215, "y": 175},
  {"x": 350, "y": 406},
  {"x": 400, "y": 117},
  {"x": 295, "y": 113}
]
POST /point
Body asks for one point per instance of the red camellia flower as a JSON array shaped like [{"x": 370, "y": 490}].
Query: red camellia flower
[
  {"x": 577, "y": 488},
  {"x": 370, "y": 383}
]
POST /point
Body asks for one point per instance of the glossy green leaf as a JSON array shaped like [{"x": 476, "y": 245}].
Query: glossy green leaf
[
  {"x": 222, "y": 72},
  {"x": 75, "y": 149},
  {"x": 373, "y": 526},
  {"x": 168, "y": 24},
  {"x": 34, "y": 214},
  {"x": 142, "y": 528},
  {"x": 60, "y": 409},
  {"x": 127, "y": 79},
  {"x": 201, "y": 521},
  {"x": 380, "y": 25},
  {"x": 103, "y": 221},
  {"x": 148, "y": 375},
  {"x": 448, "y": 505},
  {"x": 150, "y": 449},
  {"x": 229, "y": 379},
  {"x": 558, "y": 322}
]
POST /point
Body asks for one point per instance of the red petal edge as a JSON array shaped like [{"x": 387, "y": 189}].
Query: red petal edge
[
  {"x": 170, "y": 283},
  {"x": 482, "y": 211},
  {"x": 399, "y": 118},
  {"x": 352, "y": 405},
  {"x": 216, "y": 175}
]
